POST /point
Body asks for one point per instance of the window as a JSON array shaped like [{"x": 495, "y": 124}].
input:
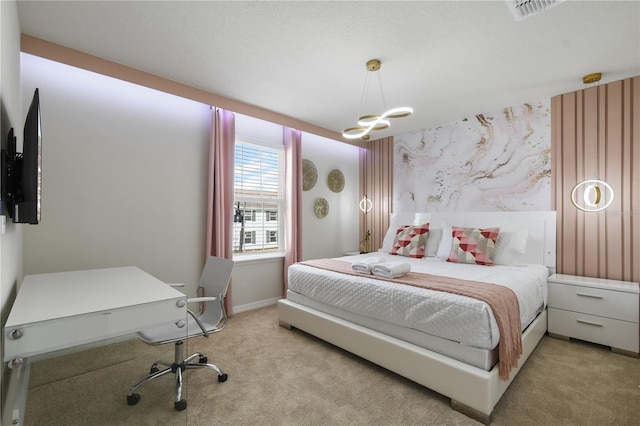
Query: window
[
  {"x": 250, "y": 237},
  {"x": 271, "y": 215},
  {"x": 259, "y": 197},
  {"x": 250, "y": 215},
  {"x": 272, "y": 236}
]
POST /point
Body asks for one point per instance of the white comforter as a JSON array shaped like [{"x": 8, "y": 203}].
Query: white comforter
[{"x": 458, "y": 318}]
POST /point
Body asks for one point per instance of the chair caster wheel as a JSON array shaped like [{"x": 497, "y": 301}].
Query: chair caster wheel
[
  {"x": 133, "y": 399},
  {"x": 223, "y": 377},
  {"x": 203, "y": 359},
  {"x": 153, "y": 370},
  {"x": 180, "y": 405}
]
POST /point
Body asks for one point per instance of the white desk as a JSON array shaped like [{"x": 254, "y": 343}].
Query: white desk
[{"x": 66, "y": 309}]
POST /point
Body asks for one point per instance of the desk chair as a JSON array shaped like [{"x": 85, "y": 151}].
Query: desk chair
[{"x": 211, "y": 318}]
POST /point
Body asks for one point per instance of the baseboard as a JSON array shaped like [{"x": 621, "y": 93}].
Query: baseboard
[{"x": 255, "y": 305}]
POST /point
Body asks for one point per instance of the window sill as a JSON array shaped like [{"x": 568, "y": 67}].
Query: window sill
[{"x": 257, "y": 258}]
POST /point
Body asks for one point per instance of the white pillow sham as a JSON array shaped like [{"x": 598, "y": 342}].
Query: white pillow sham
[
  {"x": 433, "y": 240},
  {"x": 510, "y": 247},
  {"x": 444, "y": 246},
  {"x": 389, "y": 238}
]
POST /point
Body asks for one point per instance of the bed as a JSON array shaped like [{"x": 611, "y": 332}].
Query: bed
[{"x": 446, "y": 342}]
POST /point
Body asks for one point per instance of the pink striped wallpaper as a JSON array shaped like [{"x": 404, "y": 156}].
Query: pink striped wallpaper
[
  {"x": 595, "y": 133},
  {"x": 376, "y": 182}
]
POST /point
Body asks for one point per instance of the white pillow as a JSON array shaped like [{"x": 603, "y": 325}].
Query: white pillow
[
  {"x": 444, "y": 246},
  {"x": 433, "y": 240},
  {"x": 510, "y": 246},
  {"x": 389, "y": 238}
]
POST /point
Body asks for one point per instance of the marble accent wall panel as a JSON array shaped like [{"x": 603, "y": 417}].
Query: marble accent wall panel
[{"x": 491, "y": 162}]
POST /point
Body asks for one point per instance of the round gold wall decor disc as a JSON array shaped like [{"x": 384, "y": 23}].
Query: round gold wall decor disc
[
  {"x": 309, "y": 174},
  {"x": 321, "y": 207},
  {"x": 336, "y": 180}
]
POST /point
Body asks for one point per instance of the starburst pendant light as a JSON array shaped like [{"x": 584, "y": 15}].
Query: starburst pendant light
[{"x": 371, "y": 122}]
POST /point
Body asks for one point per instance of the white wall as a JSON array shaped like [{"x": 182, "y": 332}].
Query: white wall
[
  {"x": 257, "y": 283},
  {"x": 124, "y": 182},
  {"x": 10, "y": 116},
  {"x": 337, "y": 233},
  {"x": 124, "y": 175}
]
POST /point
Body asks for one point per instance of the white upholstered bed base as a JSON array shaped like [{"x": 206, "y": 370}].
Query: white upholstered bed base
[
  {"x": 472, "y": 390},
  {"x": 477, "y": 357}
]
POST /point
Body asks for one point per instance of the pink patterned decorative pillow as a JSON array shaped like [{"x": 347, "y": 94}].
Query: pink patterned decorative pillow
[
  {"x": 473, "y": 245},
  {"x": 411, "y": 241}
]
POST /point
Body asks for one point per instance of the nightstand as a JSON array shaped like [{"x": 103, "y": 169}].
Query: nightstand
[{"x": 596, "y": 310}]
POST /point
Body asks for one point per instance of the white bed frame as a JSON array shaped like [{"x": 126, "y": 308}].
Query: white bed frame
[{"x": 473, "y": 391}]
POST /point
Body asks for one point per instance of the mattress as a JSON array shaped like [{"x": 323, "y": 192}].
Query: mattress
[{"x": 459, "y": 319}]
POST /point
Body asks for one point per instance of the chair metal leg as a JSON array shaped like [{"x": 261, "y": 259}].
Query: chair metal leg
[
  {"x": 179, "y": 403},
  {"x": 179, "y": 365},
  {"x": 209, "y": 366},
  {"x": 192, "y": 357},
  {"x": 161, "y": 362},
  {"x": 202, "y": 363},
  {"x": 148, "y": 379}
]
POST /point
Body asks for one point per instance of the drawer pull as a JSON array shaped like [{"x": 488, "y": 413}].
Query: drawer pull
[
  {"x": 589, "y": 323},
  {"x": 593, "y": 296}
]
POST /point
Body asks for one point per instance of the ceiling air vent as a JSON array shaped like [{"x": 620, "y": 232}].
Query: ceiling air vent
[{"x": 522, "y": 9}]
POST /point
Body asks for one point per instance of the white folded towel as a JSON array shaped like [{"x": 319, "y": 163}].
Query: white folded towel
[
  {"x": 364, "y": 266},
  {"x": 391, "y": 269}
]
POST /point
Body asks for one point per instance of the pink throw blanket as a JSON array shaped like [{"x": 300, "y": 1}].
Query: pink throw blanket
[{"x": 502, "y": 300}]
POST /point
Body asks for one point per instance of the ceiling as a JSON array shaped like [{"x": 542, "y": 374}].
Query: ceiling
[{"x": 306, "y": 60}]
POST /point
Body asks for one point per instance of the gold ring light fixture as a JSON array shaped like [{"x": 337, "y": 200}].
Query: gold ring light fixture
[
  {"x": 371, "y": 122},
  {"x": 366, "y": 204},
  {"x": 593, "y": 195}
]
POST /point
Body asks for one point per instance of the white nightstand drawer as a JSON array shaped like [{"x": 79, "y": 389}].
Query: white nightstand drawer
[
  {"x": 605, "y": 331},
  {"x": 601, "y": 302}
]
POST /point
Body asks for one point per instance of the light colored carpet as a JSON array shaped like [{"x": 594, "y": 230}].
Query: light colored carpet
[{"x": 287, "y": 377}]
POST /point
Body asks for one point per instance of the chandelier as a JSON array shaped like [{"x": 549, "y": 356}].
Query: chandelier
[{"x": 371, "y": 122}]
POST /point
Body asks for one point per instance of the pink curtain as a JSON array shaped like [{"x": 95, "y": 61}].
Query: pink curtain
[
  {"x": 221, "y": 189},
  {"x": 293, "y": 200}
]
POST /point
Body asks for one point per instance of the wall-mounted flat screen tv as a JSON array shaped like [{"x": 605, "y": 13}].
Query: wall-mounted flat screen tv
[{"x": 22, "y": 172}]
